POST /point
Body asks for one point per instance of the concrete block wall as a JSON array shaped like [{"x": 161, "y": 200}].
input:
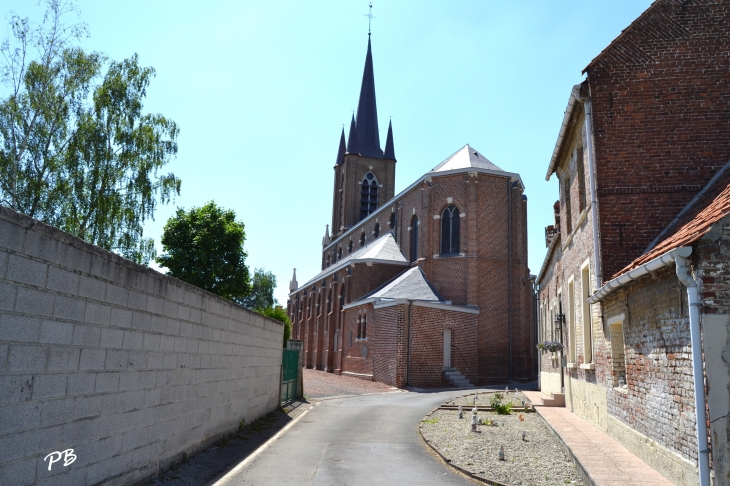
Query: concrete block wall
[{"x": 127, "y": 367}]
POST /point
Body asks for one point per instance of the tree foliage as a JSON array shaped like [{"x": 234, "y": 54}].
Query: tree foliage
[
  {"x": 76, "y": 149},
  {"x": 279, "y": 314},
  {"x": 204, "y": 247},
  {"x": 262, "y": 291}
]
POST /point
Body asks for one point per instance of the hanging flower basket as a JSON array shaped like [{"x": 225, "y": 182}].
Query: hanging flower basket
[{"x": 552, "y": 346}]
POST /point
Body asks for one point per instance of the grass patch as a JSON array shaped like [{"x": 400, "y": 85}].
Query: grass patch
[{"x": 432, "y": 420}]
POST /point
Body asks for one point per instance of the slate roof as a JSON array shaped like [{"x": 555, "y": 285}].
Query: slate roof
[
  {"x": 690, "y": 232},
  {"x": 368, "y": 137},
  {"x": 381, "y": 250},
  {"x": 411, "y": 284},
  {"x": 464, "y": 158}
]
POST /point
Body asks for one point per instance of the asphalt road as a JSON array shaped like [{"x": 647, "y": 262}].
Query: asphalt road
[{"x": 366, "y": 440}]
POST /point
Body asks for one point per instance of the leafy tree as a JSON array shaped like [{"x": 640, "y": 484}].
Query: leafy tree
[
  {"x": 204, "y": 247},
  {"x": 76, "y": 150},
  {"x": 279, "y": 314},
  {"x": 262, "y": 291}
]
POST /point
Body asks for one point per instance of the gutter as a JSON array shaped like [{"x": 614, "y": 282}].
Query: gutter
[
  {"x": 594, "y": 200},
  {"x": 679, "y": 257}
]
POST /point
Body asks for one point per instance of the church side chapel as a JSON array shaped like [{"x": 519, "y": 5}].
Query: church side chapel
[{"x": 425, "y": 288}]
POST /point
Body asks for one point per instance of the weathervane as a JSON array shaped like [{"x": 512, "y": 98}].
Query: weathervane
[{"x": 370, "y": 16}]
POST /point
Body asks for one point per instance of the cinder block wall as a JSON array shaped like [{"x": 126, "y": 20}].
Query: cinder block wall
[{"x": 127, "y": 367}]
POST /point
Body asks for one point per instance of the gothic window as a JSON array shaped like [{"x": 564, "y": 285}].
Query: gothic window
[
  {"x": 414, "y": 239},
  {"x": 450, "y": 231},
  {"x": 368, "y": 195},
  {"x": 339, "y": 254},
  {"x": 342, "y": 297},
  {"x": 329, "y": 302},
  {"x": 319, "y": 304},
  {"x": 376, "y": 231},
  {"x": 349, "y": 247},
  {"x": 364, "y": 324},
  {"x": 362, "y": 239},
  {"x": 392, "y": 220},
  {"x": 328, "y": 262}
]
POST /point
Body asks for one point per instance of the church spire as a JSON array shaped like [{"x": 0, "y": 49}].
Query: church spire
[
  {"x": 389, "y": 152},
  {"x": 293, "y": 285},
  {"x": 352, "y": 146},
  {"x": 342, "y": 149},
  {"x": 368, "y": 139}
]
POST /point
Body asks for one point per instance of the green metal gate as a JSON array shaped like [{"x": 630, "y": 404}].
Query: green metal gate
[{"x": 289, "y": 375}]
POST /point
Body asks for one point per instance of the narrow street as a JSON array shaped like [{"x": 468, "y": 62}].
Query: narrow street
[{"x": 365, "y": 440}]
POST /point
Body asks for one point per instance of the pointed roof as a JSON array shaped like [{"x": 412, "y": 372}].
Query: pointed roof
[
  {"x": 463, "y": 158},
  {"x": 411, "y": 284},
  {"x": 389, "y": 152},
  {"x": 383, "y": 250},
  {"x": 293, "y": 284},
  {"x": 342, "y": 149},
  {"x": 368, "y": 138},
  {"x": 352, "y": 147}
]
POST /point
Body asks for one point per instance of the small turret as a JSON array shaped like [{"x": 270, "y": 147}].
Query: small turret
[
  {"x": 326, "y": 239},
  {"x": 352, "y": 138},
  {"x": 389, "y": 152},
  {"x": 293, "y": 285},
  {"x": 342, "y": 149}
]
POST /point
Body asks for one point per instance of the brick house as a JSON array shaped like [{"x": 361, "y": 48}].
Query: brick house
[
  {"x": 426, "y": 287},
  {"x": 642, "y": 152}
]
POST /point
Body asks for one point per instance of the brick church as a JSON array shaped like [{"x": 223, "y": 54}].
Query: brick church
[{"x": 427, "y": 287}]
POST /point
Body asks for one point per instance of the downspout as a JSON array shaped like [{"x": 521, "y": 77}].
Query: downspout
[
  {"x": 594, "y": 198},
  {"x": 509, "y": 271},
  {"x": 408, "y": 359},
  {"x": 697, "y": 369}
]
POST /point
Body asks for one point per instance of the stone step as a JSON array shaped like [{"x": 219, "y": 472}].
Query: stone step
[
  {"x": 456, "y": 379},
  {"x": 555, "y": 400}
]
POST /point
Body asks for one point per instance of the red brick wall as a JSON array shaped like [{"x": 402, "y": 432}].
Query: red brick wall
[
  {"x": 390, "y": 337},
  {"x": 661, "y": 109}
]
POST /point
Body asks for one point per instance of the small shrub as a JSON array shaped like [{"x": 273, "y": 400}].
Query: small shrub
[
  {"x": 241, "y": 424},
  {"x": 498, "y": 406}
]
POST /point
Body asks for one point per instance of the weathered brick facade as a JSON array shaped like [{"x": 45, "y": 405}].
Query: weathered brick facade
[{"x": 652, "y": 122}]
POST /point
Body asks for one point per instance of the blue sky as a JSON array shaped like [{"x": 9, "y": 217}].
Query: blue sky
[{"x": 260, "y": 91}]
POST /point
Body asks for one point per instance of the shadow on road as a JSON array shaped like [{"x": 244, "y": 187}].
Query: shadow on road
[{"x": 212, "y": 463}]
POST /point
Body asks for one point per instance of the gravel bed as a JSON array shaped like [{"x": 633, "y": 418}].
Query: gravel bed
[
  {"x": 540, "y": 460},
  {"x": 320, "y": 384},
  {"x": 483, "y": 399}
]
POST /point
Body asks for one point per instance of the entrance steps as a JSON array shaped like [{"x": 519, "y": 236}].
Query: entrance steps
[
  {"x": 457, "y": 379},
  {"x": 554, "y": 400}
]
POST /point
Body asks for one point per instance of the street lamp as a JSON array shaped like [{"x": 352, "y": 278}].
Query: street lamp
[{"x": 559, "y": 321}]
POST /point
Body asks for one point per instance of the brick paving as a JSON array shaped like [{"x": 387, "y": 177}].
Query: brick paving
[
  {"x": 606, "y": 461},
  {"x": 320, "y": 384}
]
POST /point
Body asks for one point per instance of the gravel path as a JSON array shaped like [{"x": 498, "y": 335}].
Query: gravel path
[
  {"x": 320, "y": 384},
  {"x": 540, "y": 460}
]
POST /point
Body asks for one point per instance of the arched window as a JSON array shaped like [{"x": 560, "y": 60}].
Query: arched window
[
  {"x": 364, "y": 334},
  {"x": 349, "y": 247},
  {"x": 376, "y": 231},
  {"x": 392, "y": 220},
  {"x": 319, "y": 304},
  {"x": 450, "y": 231},
  {"x": 327, "y": 264},
  {"x": 339, "y": 254},
  {"x": 369, "y": 195},
  {"x": 342, "y": 297},
  {"x": 362, "y": 239},
  {"x": 414, "y": 239},
  {"x": 329, "y": 302}
]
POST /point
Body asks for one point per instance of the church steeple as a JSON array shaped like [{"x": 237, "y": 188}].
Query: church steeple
[
  {"x": 368, "y": 138},
  {"x": 352, "y": 145},
  {"x": 389, "y": 152},
  {"x": 342, "y": 149}
]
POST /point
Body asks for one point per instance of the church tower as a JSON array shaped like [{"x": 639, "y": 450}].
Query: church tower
[{"x": 364, "y": 173}]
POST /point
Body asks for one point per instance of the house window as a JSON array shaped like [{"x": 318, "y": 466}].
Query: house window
[
  {"x": 414, "y": 239},
  {"x": 585, "y": 284},
  {"x": 362, "y": 239},
  {"x": 368, "y": 195},
  {"x": 618, "y": 358},
  {"x": 376, "y": 231},
  {"x": 450, "y": 231}
]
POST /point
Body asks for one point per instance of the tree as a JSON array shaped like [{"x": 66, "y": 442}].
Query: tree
[
  {"x": 279, "y": 314},
  {"x": 204, "y": 247},
  {"x": 262, "y": 291},
  {"x": 76, "y": 150}
]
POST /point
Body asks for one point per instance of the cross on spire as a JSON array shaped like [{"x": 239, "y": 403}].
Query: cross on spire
[{"x": 370, "y": 16}]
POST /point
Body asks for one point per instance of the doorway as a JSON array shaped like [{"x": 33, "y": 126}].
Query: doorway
[{"x": 447, "y": 348}]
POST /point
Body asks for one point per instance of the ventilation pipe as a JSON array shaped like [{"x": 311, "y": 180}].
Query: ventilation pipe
[
  {"x": 594, "y": 199},
  {"x": 680, "y": 258}
]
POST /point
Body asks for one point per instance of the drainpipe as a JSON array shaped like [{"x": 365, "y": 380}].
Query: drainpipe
[
  {"x": 594, "y": 198},
  {"x": 697, "y": 372}
]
